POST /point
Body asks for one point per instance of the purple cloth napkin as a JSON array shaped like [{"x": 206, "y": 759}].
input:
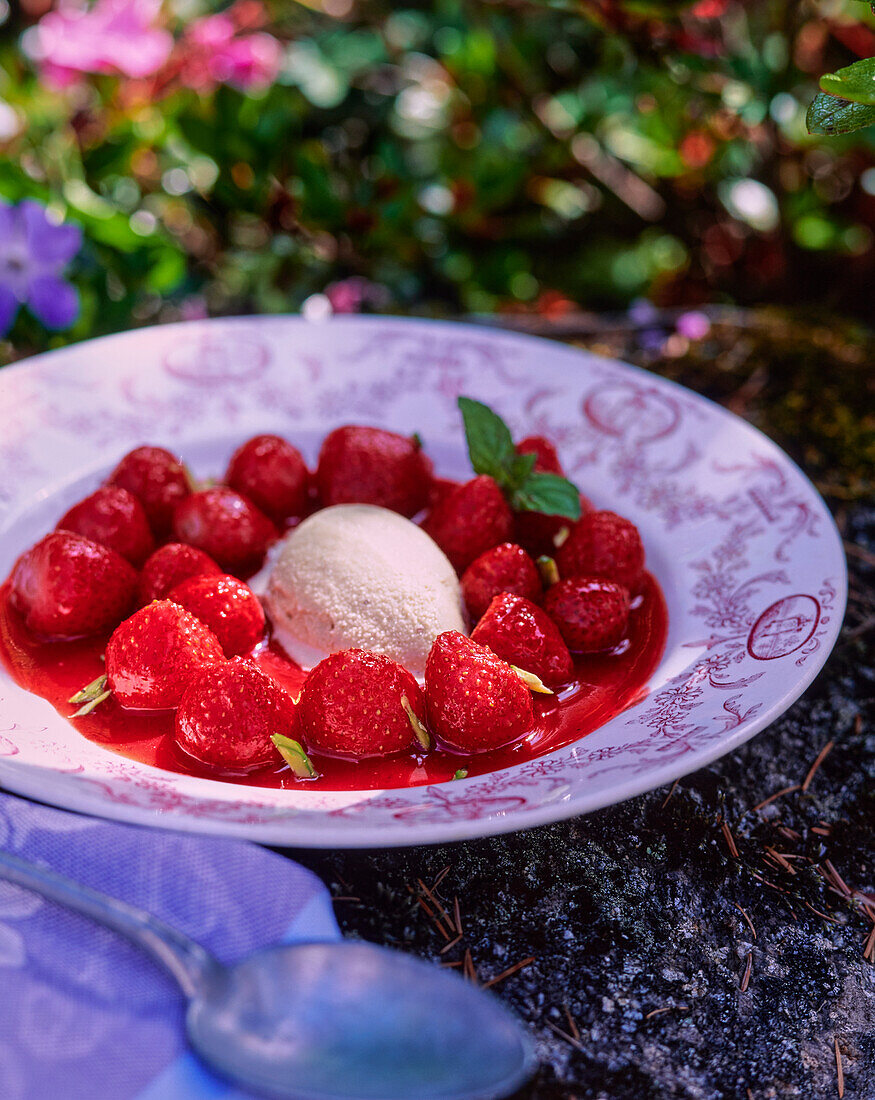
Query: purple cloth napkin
[{"x": 83, "y": 1013}]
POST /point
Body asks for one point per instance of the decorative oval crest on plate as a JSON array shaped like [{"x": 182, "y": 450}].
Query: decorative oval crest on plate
[
  {"x": 629, "y": 411},
  {"x": 784, "y": 627},
  {"x": 218, "y": 358}
]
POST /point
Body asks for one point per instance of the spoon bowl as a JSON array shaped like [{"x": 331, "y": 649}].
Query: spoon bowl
[{"x": 327, "y": 1021}]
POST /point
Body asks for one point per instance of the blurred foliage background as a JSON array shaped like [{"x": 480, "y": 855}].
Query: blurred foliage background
[{"x": 448, "y": 158}]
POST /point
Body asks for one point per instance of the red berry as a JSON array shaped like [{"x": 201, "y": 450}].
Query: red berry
[
  {"x": 440, "y": 487},
  {"x": 353, "y": 704},
  {"x": 226, "y": 526},
  {"x": 229, "y": 712},
  {"x": 470, "y": 520},
  {"x": 603, "y": 544},
  {"x": 159, "y": 481},
  {"x": 115, "y": 518},
  {"x": 591, "y": 613},
  {"x": 152, "y": 656},
  {"x": 504, "y": 568},
  {"x": 68, "y": 586},
  {"x": 475, "y": 699},
  {"x": 372, "y": 466},
  {"x": 539, "y": 533},
  {"x": 519, "y": 632},
  {"x": 229, "y": 608},
  {"x": 169, "y": 566},
  {"x": 272, "y": 474},
  {"x": 546, "y": 459}
]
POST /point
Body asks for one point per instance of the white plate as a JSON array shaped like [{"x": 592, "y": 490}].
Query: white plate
[{"x": 744, "y": 548}]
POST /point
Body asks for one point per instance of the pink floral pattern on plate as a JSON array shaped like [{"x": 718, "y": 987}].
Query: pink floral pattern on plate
[{"x": 744, "y": 548}]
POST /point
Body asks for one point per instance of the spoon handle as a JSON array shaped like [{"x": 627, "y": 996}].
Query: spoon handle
[{"x": 186, "y": 960}]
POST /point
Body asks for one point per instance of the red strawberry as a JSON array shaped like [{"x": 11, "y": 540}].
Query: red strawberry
[
  {"x": 504, "y": 568},
  {"x": 226, "y": 526},
  {"x": 539, "y": 533},
  {"x": 603, "y": 544},
  {"x": 475, "y": 700},
  {"x": 228, "y": 714},
  {"x": 546, "y": 459},
  {"x": 470, "y": 520},
  {"x": 372, "y": 466},
  {"x": 229, "y": 608},
  {"x": 68, "y": 586},
  {"x": 440, "y": 487},
  {"x": 361, "y": 704},
  {"x": 169, "y": 566},
  {"x": 272, "y": 474},
  {"x": 152, "y": 656},
  {"x": 159, "y": 481},
  {"x": 522, "y": 634},
  {"x": 591, "y": 613},
  {"x": 115, "y": 518}
]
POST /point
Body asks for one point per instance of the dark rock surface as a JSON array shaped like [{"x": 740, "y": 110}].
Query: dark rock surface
[{"x": 636, "y": 915}]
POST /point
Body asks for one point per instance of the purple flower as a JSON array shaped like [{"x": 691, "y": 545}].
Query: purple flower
[
  {"x": 642, "y": 312},
  {"x": 33, "y": 255}
]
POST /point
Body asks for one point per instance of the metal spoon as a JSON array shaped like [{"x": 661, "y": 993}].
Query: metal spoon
[{"x": 321, "y": 1021}]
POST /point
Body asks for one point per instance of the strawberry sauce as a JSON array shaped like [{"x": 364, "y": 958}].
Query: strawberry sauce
[{"x": 603, "y": 686}]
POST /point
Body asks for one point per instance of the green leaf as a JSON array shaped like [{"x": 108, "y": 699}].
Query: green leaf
[
  {"x": 490, "y": 444},
  {"x": 293, "y": 754},
  {"x": 855, "y": 83},
  {"x": 492, "y": 452},
  {"x": 419, "y": 731},
  {"x": 521, "y": 467},
  {"x": 547, "y": 493},
  {"x": 167, "y": 272},
  {"x": 202, "y": 135},
  {"x": 88, "y": 707},
  {"x": 829, "y": 115},
  {"x": 91, "y": 696},
  {"x": 90, "y": 691},
  {"x": 532, "y": 682},
  {"x": 548, "y": 569}
]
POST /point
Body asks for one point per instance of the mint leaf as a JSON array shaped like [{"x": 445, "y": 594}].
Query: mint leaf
[
  {"x": 521, "y": 467},
  {"x": 490, "y": 444},
  {"x": 492, "y": 452},
  {"x": 830, "y": 115},
  {"x": 547, "y": 493},
  {"x": 855, "y": 82}
]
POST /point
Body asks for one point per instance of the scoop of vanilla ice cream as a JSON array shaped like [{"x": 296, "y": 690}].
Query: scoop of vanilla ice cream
[{"x": 355, "y": 576}]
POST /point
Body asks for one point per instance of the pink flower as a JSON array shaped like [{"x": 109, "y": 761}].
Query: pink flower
[
  {"x": 352, "y": 295},
  {"x": 695, "y": 325},
  {"x": 111, "y": 36},
  {"x": 214, "y": 52}
]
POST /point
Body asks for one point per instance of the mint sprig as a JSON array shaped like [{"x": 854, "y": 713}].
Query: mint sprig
[{"x": 492, "y": 452}]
